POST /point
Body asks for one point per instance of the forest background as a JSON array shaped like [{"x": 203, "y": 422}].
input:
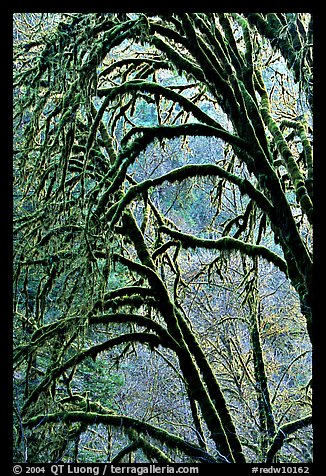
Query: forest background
[{"x": 163, "y": 237}]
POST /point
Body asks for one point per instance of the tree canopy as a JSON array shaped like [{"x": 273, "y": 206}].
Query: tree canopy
[{"x": 163, "y": 218}]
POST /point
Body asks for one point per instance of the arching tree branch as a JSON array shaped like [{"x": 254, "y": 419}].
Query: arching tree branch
[
  {"x": 189, "y": 171},
  {"x": 283, "y": 432},
  {"x": 92, "y": 418},
  {"x": 228, "y": 244}
]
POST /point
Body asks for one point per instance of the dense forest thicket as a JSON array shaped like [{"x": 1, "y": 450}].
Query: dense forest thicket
[{"x": 163, "y": 237}]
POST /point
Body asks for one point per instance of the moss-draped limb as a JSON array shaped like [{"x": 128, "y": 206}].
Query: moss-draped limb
[
  {"x": 180, "y": 62},
  {"x": 136, "y": 301},
  {"x": 283, "y": 432},
  {"x": 212, "y": 404},
  {"x": 126, "y": 450},
  {"x": 146, "y": 86},
  {"x": 300, "y": 129},
  {"x": 129, "y": 152},
  {"x": 210, "y": 49},
  {"x": 53, "y": 374},
  {"x": 192, "y": 128},
  {"x": 197, "y": 422},
  {"x": 216, "y": 41},
  {"x": 126, "y": 291},
  {"x": 252, "y": 125},
  {"x": 150, "y": 450},
  {"x": 176, "y": 34},
  {"x": 94, "y": 418},
  {"x": 308, "y": 156},
  {"x": 241, "y": 81},
  {"x": 138, "y": 319},
  {"x": 296, "y": 254},
  {"x": 163, "y": 248},
  {"x": 107, "y": 139},
  {"x": 182, "y": 173},
  {"x": 266, "y": 416},
  {"x": 293, "y": 248},
  {"x": 154, "y": 63},
  {"x": 110, "y": 38},
  {"x": 281, "y": 144},
  {"x": 297, "y": 56},
  {"x": 229, "y": 244},
  {"x": 264, "y": 401},
  {"x": 215, "y": 56},
  {"x": 199, "y": 50},
  {"x": 43, "y": 334},
  {"x": 95, "y": 125},
  {"x": 213, "y": 388},
  {"x": 179, "y": 328},
  {"x": 247, "y": 39}
]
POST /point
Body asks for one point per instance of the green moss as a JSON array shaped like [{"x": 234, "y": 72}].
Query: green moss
[
  {"x": 291, "y": 165},
  {"x": 227, "y": 244},
  {"x": 94, "y": 418},
  {"x": 182, "y": 173}
]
